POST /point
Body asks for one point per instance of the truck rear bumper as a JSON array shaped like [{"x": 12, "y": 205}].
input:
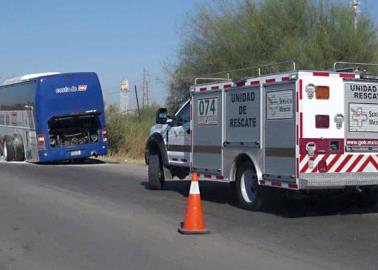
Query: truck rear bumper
[{"x": 336, "y": 180}]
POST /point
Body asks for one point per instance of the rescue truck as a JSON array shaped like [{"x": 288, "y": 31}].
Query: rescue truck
[{"x": 295, "y": 130}]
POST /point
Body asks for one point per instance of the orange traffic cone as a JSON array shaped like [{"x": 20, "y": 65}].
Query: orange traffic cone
[{"x": 194, "y": 222}]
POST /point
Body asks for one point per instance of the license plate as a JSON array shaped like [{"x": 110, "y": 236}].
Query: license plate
[{"x": 75, "y": 153}]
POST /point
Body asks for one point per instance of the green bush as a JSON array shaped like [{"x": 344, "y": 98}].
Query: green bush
[
  {"x": 224, "y": 35},
  {"x": 128, "y": 132}
]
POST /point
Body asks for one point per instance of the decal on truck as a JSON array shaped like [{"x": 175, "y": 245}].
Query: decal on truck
[
  {"x": 363, "y": 117},
  {"x": 279, "y": 105},
  {"x": 207, "y": 111}
]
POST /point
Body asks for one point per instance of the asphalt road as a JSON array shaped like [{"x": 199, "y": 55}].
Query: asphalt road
[{"x": 101, "y": 216}]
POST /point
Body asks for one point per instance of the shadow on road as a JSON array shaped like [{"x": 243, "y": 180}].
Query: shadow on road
[
  {"x": 87, "y": 161},
  {"x": 288, "y": 205}
]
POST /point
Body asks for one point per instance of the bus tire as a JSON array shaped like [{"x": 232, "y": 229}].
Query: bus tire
[
  {"x": 155, "y": 172},
  {"x": 19, "y": 151},
  {"x": 8, "y": 149},
  {"x": 248, "y": 192}
]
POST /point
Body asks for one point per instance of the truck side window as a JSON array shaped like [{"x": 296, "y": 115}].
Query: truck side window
[{"x": 183, "y": 116}]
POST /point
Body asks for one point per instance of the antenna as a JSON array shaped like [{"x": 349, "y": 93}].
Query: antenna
[{"x": 356, "y": 11}]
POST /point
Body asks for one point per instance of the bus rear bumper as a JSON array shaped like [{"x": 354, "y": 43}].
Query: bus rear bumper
[
  {"x": 68, "y": 153},
  {"x": 337, "y": 180}
]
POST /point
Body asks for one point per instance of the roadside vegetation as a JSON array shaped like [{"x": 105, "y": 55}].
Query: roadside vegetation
[
  {"x": 224, "y": 35},
  {"x": 128, "y": 133},
  {"x": 229, "y": 34}
]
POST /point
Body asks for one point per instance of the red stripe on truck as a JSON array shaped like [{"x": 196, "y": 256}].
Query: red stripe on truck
[
  {"x": 355, "y": 162},
  {"x": 347, "y": 76},
  {"x": 333, "y": 161},
  {"x": 323, "y": 74},
  {"x": 324, "y": 159},
  {"x": 345, "y": 161}
]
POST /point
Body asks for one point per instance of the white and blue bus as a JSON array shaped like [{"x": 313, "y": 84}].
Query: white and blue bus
[{"x": 52, "y": 116}]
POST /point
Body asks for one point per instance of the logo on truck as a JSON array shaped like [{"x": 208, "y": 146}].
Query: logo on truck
[
  {"x": 358, "y": 116},
  {"x": 279, "y": 105},
  {"x": 363, "y": 117}
]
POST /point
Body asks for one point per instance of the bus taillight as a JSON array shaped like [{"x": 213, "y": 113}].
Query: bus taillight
[
  {"x": 41, "y": 140},
  {"x": 104, "y": 134}
]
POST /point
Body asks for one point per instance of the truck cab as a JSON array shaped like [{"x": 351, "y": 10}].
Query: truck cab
[{"x": 168, "y": 147}]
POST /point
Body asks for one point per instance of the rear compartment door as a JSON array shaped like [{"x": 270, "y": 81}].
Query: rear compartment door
[
  {"x": 361, "y": 115},
  {"x": 279, "y": 129}
]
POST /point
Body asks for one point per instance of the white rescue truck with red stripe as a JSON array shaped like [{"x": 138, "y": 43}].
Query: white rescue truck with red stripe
[{"x": 297, "y": 130}]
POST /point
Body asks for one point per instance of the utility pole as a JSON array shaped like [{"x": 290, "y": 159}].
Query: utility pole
[
  {"x": 146, "y": 88},
  {"x": 137, "y": 100},
  {"x": 356, "y": 11}
]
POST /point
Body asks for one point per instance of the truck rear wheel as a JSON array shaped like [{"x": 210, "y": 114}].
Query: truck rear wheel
[
  {"x": 155, "y": 172},
  {"x": 8, "y": 149},
  {"x": 248, "y": 191}
]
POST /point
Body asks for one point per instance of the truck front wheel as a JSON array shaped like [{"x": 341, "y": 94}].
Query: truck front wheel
[
  {"x": 248, "y": 191},
  {"x": 155, "y": 172}
]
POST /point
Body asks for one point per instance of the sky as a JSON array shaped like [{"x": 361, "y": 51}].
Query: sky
[{"x": 117, "y": 39}]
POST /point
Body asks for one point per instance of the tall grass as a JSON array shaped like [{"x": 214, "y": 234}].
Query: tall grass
[{"x": 128, "y": 132}]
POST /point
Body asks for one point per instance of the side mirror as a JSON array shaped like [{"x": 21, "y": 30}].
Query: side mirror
[{"x": 161, "y": 116}]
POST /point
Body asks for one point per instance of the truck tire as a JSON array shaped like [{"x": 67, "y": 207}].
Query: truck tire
[
  {"x": 248, "y": 192},
  {"x": 19, "y": 151},
  {"x": 155, "y": 172},
  {"x": 8, "y": 149}
]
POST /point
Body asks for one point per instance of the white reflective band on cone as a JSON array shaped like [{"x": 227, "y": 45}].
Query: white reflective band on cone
[{"x": 194, "y": 188}]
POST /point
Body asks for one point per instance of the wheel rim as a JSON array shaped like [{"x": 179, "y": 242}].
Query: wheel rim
[
  {"x": 247, "y": 186},
  {"x": 5, "y": 151}
]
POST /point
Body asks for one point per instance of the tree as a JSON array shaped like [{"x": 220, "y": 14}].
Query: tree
[{"x": 226, "y": 35}]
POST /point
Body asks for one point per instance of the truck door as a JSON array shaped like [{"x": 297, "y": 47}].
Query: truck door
[
  {"x": 178, "y": 142},
  {"x": 322, "y": 124},
  {"x": 279, "y": 130},
  {"x": 361, "y": 129},
  {"x": 207, "y": 132}
]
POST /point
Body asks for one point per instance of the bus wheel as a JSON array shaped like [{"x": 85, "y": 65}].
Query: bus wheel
[
  {"x": 19, "y": 153},
  {"x": 248, "y": 191},
  {"x": 8, "y": 149},
  {"x": 155, "y": 172}
]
